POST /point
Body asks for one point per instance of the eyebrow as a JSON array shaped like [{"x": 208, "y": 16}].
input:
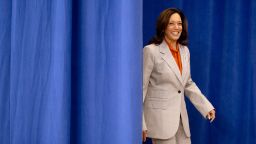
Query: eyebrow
[{"x": 175, "y": 21}]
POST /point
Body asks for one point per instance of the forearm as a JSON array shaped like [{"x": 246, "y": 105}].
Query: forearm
[{"x": 194, "y": 94}]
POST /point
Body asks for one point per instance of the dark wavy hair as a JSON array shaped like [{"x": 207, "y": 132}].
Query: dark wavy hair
[{"x": 162, "y": 23}]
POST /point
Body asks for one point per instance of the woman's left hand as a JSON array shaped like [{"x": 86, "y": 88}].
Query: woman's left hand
[{"x": 211, "y": 115}]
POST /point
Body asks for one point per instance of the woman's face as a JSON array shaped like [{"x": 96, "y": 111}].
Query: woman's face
[{"x": 174, "y": 28}]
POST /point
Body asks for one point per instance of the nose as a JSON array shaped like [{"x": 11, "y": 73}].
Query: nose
[{"x": 176, "y": 26}]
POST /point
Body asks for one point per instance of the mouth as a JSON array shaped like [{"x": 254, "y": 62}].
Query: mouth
[{"x": 175, "y": 33}]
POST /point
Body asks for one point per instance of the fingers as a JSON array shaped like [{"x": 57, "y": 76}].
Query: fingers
[
  {"x": 144, "y": 136},
  {"x": 211, "y": 115},
  {"x": 144, "y": 139},
  {"x": 212, "y": 119}
]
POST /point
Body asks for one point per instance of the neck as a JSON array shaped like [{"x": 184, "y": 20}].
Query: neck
[{"x": 171, "y": 43}]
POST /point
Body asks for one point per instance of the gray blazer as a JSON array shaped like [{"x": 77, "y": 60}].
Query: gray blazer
[{"x": 164, "y": 89}]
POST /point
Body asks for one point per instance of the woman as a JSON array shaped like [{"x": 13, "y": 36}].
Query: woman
[{"x": 166, "y": 80}]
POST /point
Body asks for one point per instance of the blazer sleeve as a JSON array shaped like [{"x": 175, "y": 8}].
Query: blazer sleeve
[
  {"x": 148, "y": 64},
  {"x": 196, "y": 97}
]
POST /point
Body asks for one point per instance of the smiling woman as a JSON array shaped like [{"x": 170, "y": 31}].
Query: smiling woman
[
  {"x": 165, "y": 117},
  {"x": 222, "y": 47},
  {"x": 173, "y": 30}
]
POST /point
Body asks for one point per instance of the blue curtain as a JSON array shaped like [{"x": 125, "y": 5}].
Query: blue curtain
[
  {"x": 222, "y": 37},
  {"x": 71, "y": 71}
]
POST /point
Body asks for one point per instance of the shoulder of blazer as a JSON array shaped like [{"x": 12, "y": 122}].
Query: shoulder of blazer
[
  {"x": 152, "y": 49},
  {"x": 185, "y": 49},
  {"x": 151, "y": 46}
]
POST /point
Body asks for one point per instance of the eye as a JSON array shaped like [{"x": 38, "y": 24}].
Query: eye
[
  {"x": 171, "y": 23},
  {"x": 175, "y": 23}
]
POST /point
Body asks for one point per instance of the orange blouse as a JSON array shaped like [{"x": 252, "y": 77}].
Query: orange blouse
[{"x": 176, "y": 56}]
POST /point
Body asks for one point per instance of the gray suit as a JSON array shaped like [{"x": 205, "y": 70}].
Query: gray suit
[{"x": 164, "y": 88}]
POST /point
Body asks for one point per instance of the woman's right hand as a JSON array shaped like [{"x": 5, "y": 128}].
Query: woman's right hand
[{"x": 144, "y": 135}]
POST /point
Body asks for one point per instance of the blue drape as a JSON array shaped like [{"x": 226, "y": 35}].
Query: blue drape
[
  {"x": 5, "y": 45},
  {"x": 107, "y": 59},
  {"x": 222, "y": 45},
  {"x": 70, "y": 71}
]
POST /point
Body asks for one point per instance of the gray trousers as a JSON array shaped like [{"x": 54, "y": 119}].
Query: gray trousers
[{"x": 179, "y": 138}]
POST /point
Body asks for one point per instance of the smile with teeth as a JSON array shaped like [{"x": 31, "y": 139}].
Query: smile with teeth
[{"x": 175, "y": 33}]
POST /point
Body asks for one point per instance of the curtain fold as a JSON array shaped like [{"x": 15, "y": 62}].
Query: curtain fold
[
  {"x": 70, "y": 71},
  {"x": 108, "y": 70},
  {"x": 40, "y": 71},
  {"x": 5, "y": 54}
]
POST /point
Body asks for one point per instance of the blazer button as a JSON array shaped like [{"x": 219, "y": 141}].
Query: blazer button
[{"x": 179, "y": 91}]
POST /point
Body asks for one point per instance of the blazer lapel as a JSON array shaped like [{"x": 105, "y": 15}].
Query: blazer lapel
[
  {"x": 167, "y": 56},
  {"x": 185, "y": 66}
]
